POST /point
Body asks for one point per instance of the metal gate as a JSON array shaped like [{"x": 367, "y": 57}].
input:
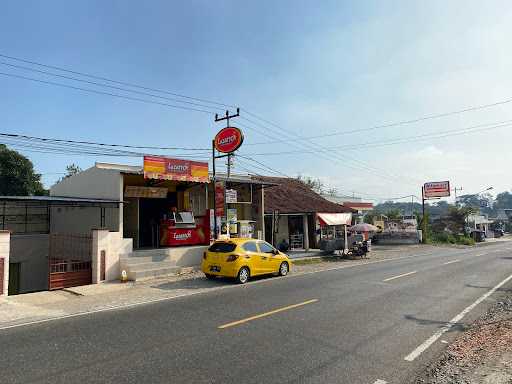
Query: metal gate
[{"x": 70, "y": 260}]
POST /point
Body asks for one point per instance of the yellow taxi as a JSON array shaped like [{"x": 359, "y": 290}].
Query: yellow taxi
[{"x": 243, "y": 258}]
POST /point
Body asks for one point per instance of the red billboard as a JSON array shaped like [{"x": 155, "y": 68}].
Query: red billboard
[
  {"x": 436, "y": 189},
  {"x": 166, "y": 168},
  {"x": 219, "y": 199},
  {"x": 228, "y": 139}
]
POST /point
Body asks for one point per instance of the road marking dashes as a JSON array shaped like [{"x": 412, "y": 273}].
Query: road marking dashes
[{"x": 399, "y": 276}]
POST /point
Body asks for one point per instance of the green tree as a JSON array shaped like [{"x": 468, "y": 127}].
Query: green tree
[
  {"x": 71, "y": 169},
  {"x": 17, "y": 176},
  {"x": 315, "y": 184}
]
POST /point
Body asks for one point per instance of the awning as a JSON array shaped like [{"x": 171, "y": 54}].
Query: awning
[{"x": 335, "y": 218}]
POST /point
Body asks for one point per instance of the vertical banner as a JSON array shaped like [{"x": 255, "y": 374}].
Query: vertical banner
[{"x": 219, "y": 199}]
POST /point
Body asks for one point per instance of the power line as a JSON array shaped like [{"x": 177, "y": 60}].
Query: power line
[
  {"x": 387, "y": 125},
  {"x": 106, "y": 93},
  {"x": 114, "y": 81},
  {"x": 409, "y": 139},
  {"x": 46, "y": 139},
  {"x": 106, "y": 85}
]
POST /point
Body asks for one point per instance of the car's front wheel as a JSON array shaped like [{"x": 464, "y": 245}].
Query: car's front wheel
[
  {"x": 209, "y": 276},
  {"x": 243, "y": 275},
  {"x": 283, "y": 269}
]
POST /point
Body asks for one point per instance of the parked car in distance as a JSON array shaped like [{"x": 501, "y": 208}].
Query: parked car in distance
[
  {"x": 499, "y": 232},
  {"x": 243, "y": 258}
]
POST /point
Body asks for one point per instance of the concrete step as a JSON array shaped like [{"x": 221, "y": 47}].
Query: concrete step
[{"x": 150, "y": 273}]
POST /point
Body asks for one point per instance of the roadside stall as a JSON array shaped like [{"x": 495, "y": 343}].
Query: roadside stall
[{"x": 334, "y": 237}]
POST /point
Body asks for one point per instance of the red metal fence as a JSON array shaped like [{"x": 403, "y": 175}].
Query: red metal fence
[{"x": 70, "y": 260}]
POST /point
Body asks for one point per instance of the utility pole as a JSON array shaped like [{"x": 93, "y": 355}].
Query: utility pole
[
  {"x": 424, "y": 221},
  {"x": 226, "y": 117},
  {"x": 455, "y": 192}
]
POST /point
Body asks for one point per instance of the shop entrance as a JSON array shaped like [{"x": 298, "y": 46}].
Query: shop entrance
[
  {"x": 296, "y": 231},
  {"x": 151, "y": 212}
]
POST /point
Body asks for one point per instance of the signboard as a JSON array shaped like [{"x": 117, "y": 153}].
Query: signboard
[
  {"x": 166, "y": 168},
  {"x": 147, "y": 192},
  {"x": 219, "y": 199},
  {"x": 228, "y": 139},
  {"x": 231, "y": 196},
  {"x": 436, "y": 189}
]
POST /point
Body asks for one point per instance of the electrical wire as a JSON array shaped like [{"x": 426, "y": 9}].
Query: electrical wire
[
  {"x": 114, "y": 81},
  {"x": 107, "y": 93},
  {"x": 409, "y": 139},
  {"x": 46, "y": 139},
  {"x": 105, "y": 85}
]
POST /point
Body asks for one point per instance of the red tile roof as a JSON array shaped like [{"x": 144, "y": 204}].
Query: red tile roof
[{"x": 292, "y": 196}]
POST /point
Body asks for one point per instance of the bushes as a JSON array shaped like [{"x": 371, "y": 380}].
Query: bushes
[{"x": 448, "y": 238}]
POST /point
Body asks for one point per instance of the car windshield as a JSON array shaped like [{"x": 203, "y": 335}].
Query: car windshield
[{"x": 223, "y": 247}]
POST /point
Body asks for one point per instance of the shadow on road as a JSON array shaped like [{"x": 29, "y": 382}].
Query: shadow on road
[
  {"x": 203, "y": 282},
  {"x": 459, "y": 327},
  {"x": 488, "y": 288}
]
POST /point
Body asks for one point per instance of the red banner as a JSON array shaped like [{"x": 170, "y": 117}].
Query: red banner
[
  {"x": 166, "y": 168},
  {"x": 219, "y": 199}
]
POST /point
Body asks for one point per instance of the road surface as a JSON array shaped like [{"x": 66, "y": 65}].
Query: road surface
[{"x": 373, "y": 323}]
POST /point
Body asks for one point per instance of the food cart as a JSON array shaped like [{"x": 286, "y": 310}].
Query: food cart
[{"x": 334, "y": 238}]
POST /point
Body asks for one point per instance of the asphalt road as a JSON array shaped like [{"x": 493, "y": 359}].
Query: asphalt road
[{"x": 351, "y": 325}]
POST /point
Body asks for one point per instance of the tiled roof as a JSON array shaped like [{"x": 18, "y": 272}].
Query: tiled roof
[{"x": 292, "y": 196}]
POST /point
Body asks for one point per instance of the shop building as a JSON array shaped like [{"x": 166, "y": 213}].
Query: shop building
[
  {"x": 167, "y": 210},
  {"x": 294, "y": 213}
]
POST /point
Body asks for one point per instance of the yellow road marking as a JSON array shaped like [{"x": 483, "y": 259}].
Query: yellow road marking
[
  {"x": 267, "y": 314},
  {"x": 451, "y": 262},
  {"x": 399, "y": 276}
]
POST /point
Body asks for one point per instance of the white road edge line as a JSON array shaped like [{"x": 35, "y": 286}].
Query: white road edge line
[
  {"x": 380, "y": 382},
  {"x": 451, "y": 262},
  {"x": 432, "y": 339},
  {"x": 399, "y": 276}
]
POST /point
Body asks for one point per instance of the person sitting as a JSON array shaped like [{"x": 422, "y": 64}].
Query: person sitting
[{"x": 283, "y": 246}]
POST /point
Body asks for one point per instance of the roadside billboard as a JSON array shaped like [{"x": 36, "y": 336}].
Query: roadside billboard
[
  {"x": 436, "y": 189},
  {"x": 166, "y": 168},
  {"x": 228, "y": 139}
]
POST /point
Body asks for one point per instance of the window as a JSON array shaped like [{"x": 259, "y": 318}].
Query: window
[
  {"x": 250, "y": 246},
  {"x": 266, "y": 247},
  {"x": 222, "y": 247}
]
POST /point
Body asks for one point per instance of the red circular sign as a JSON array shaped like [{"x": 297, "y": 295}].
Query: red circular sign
[{"x": 229, "y": 139}]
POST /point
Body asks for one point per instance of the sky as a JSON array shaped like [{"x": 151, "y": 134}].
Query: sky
[{"x": 307, "y": 68}]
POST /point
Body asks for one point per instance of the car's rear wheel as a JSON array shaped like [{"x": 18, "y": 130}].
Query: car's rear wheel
[
  {"x": 284, "y": 268},
  {"x": 209, "y": 276},
  {"x": 243, "y": 275}
]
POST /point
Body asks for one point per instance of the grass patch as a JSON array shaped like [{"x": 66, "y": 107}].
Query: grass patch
[{"x": 447, "y": 238}]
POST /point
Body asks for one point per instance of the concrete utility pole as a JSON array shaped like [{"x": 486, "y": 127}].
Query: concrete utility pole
[{"x": 214, "y": 156}]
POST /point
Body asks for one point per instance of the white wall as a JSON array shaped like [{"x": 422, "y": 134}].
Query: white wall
[
  {"x": 4, "y": 254},
  {"x": 114, "y": 245},
  {"x": 31, "y": 251},
  {"x": 94, "y": 183}
]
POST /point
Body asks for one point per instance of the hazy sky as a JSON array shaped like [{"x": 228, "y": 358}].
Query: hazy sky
[{"x": 310, "y": 67}]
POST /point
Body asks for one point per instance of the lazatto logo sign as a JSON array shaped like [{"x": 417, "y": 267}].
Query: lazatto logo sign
[{"x": 229, "y": 139}]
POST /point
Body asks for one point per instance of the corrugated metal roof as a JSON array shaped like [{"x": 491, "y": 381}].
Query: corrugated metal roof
[{"x": 63, "y": 199}]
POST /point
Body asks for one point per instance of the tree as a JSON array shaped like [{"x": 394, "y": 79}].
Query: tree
[
  {"x": 503, "y": 200},
  {"x": 315, "y": 184},
  {"x": 72, "y": 169},
  {"x": 17, "y": 176}
]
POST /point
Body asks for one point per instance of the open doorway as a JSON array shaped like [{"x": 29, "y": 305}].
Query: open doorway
[{"x": 151, "y": 212}]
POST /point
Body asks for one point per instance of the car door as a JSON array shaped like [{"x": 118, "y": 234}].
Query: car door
[
  {"x": 268, "y": 257},
  {"x": 253, "y": 257}
]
